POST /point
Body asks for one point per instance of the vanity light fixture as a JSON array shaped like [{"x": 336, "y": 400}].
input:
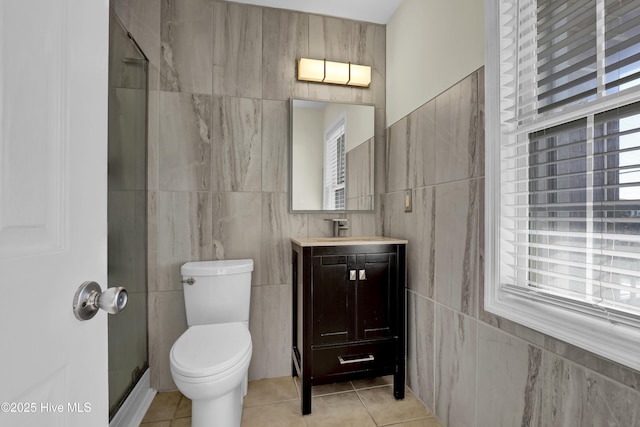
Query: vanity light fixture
[{"x": 339, "y": 73}]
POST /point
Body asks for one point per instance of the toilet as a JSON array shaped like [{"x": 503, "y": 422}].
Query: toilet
[{"x": 210, "y": 360}]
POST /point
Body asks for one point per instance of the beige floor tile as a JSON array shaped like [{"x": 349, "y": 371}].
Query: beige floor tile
[
  {"x": 272, "y": 390},
  {"x": 163, "y": 407},
  {"x": 372, "y": 382},
  {"x": 275, "y": 402},
  {"x": 321, "y": 390},
  {"x": 166, "y": 423},
  {"x": 385, "y": 409},
  {"x": 338, "y": 410},
  {"x": 284, "y": 414},
  {"x": 425, "y": 422},
  {"x": 181, "y": 422},
  {"x": 184, "y": 408}
]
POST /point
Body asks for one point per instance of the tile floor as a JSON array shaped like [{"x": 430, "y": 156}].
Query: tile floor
[{"x": 276, "y": 402}]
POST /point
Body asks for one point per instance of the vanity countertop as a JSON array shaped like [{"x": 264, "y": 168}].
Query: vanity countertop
[{"x": 346, "y": 241}]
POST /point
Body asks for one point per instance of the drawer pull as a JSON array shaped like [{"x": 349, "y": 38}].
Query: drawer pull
[
  {"x": 362, "y": 275},
  {"x": 352, "y": 275},
  {"x": 368, "y": 358}
]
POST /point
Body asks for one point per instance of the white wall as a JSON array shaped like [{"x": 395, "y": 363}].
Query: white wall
[
  {"x": 431, "y": 45},
  {"x": 360, "y": 123}
]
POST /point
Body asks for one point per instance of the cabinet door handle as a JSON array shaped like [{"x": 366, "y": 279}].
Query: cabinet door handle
[
  {"x": 352, "y": 275},
  {"x": 368, "y": 358},
  {"x": 362, "y": 275}
]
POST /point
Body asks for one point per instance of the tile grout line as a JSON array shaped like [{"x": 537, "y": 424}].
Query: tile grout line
[{"x": 365, "y": 406}]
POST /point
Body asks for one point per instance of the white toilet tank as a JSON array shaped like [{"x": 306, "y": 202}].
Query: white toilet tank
[{"x": 220, "y": 291}]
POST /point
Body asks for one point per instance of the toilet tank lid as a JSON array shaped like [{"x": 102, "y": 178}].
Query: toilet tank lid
[{"x": 217, "y": 268}]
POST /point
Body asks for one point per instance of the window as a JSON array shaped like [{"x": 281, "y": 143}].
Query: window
[
  {"x": 335, "y": 164},
  {"x": 563, "y": 170}
]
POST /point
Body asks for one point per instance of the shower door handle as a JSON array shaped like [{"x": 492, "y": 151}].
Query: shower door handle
[{"x": 89, "y": 298}]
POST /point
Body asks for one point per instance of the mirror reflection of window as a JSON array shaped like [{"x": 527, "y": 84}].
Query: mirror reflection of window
[
  {"x": 334, "y": 197},
  {"x": 348, "y": 182}
]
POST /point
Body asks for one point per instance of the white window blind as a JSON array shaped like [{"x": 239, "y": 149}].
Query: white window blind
[
  {"x": 564, "y": 195},
  {"x": 334, "y": 197}
]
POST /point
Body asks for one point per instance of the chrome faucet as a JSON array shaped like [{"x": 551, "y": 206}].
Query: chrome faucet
[{"x": 340, "y": 226}]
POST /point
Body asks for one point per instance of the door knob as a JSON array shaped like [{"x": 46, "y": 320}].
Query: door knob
[{"x": 89, "y": 298}]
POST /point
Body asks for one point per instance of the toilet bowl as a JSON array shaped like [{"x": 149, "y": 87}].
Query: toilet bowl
[
  {"x": 210, "y": 360},
  {"x": 208, "y": 364}
]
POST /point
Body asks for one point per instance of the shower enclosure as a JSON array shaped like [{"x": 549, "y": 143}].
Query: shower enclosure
[{"x": 127, "y": 211}]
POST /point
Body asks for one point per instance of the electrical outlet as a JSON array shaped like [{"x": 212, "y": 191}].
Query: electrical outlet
[{"x": 407, "y": 201}]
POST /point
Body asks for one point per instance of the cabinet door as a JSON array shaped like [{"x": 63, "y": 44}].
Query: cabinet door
[
  {"x": 333, "y": 299},
  {"x": 375, "y": 296}
]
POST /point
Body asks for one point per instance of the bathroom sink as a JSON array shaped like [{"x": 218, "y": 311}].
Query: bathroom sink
[{"x": 341, "y": 241}]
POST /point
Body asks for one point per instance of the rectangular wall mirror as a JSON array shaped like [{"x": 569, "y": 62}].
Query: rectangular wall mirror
[{"x": 331, "y": 156}]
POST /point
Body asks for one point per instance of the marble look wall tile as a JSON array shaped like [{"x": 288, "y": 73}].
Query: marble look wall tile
[
  {"x": 612, "y": 370},
  {"x": 153, "y": 140},
  {"x": 363, "y": 224},
  {"x": 456, "y": 255},
  {"x": 184, "y": 224},
  {"x": 127, "y": 139},
  {"x": 275, "y": 146},
  {"x": 127, "y": 335},
  {"x": 421, "y": 135},
  {"x": 124, "y": 74},
  {"x": 457, "y": 152},
  {"x": 153, "y": 78},
  {"x": 420, "y": 347},
  {"x": 396, "y": 157},
  {"x": 285, "y": 38},
  {"x": 184, "y": 142},
  {"x": 237, "y": 144},
  {"x": 376, "y": 56},
  {"x": 319, "y": 225},
  {"x": 480, "y": 147},
  {"x": 152, "y": 240},
  {"x": 167, "y": 321},
  {"x": 421, "y": 232},
  {"x": 187, "y": 46},
  {"x": 126, "y": 240},
  {"x": 481, "y": 247},
  {"x": 237, "y": 50},
  {"x": 270, "y": 327},
  {"x": 380, "y": 163},
  {"x": 510, "y": 380},
  {"x": 244, "y": 136},
  {"x": 394, "y": 218},
  {"x": 360, "y": 224},
  {"x": 360, "y": 162},
  {"x": 349, "y": 41},
  {"x": 360, "y": 203},
  {"x": 142, "y": 19},
  {"x": 510, "y": 327},
  {"x": 574, "y": 396},
  {"x": 237, "y": 228},
  {"x": 455, "y": 368},
  {"x": 278, "y": 226},
  {"x": 410, "y": 151}
]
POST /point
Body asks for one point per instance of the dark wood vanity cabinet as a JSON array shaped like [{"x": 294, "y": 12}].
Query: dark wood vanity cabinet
[{"x": 348, "y": 312}]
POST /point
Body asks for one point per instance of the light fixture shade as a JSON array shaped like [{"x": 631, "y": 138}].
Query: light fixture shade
[
  {"x": 336, "y": 73},
  {"x": 311, "y": 70},
  {"x": 360, "y": 75}
]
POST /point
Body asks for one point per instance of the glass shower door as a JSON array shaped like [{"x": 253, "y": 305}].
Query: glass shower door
[{"x": 127, "y": 211}]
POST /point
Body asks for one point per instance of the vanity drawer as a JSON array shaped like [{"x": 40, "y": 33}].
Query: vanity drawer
[{"x": 352, "y": 358}]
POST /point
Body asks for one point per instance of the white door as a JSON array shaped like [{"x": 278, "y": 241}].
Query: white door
[{"x": 53, "y": 220}]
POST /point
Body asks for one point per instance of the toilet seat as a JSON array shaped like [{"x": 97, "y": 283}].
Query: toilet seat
[{"x": 206, "y": 351}]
